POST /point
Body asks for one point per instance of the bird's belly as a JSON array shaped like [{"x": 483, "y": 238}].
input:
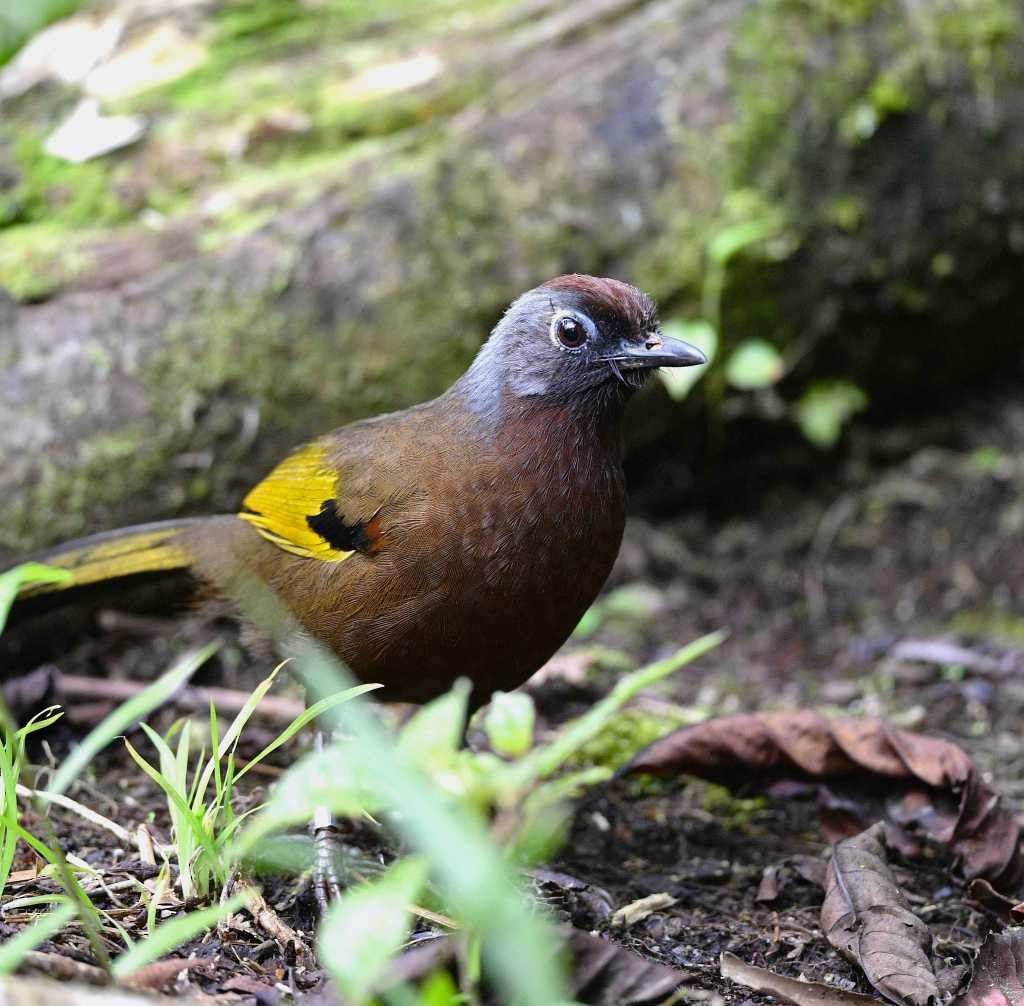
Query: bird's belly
[{"x": 491, "y": 605}]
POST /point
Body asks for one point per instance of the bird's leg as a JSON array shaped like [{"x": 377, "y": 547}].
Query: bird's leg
[{"x": 327, "y": 848}]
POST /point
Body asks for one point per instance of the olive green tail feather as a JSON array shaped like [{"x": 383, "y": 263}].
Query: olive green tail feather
[{"x": 146, "y": 548}]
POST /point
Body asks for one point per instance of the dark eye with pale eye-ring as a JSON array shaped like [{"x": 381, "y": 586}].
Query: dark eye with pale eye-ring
[{"x": 570, "y": 331}]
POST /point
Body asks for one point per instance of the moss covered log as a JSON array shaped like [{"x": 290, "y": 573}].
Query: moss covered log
[{"x": 355, "y": 266}]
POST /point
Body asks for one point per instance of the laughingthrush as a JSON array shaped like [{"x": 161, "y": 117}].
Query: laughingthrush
[{"x": 464, "y": 536}]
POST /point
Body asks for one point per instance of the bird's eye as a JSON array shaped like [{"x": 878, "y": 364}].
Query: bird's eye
[{"x": 571, "y": 332}]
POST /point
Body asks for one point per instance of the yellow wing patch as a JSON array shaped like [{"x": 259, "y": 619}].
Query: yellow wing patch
[{"x": 282, "y": 504}]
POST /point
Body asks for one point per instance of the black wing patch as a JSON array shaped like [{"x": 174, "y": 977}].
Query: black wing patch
[{"x": 331, "y": 526}]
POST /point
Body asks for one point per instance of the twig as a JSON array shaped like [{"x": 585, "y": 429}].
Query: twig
[
  {"x": 277, "y": 708},
  {"x": 65, "y": 969}
]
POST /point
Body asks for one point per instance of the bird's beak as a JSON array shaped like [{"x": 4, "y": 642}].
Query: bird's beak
[{"x": 659, "y": 351}]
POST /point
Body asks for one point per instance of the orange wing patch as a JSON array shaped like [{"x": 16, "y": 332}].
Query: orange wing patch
[{"x": 290, "y": 504}]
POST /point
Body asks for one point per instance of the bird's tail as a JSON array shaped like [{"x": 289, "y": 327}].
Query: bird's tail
[{"x": 100, "y": 558}]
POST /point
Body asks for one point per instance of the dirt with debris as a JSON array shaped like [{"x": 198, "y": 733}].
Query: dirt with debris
[{"x": 888, "y": 584}]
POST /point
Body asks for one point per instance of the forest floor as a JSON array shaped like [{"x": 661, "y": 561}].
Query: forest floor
[{"x": 821, "y": 584}]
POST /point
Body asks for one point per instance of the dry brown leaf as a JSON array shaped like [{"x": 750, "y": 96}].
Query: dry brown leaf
[
  {"x": 942, "y": 795},
  {"x": 867, "y": 919},
  {"x": 606, "y": 974},
  {"x": 789, "y": 990},
  {"x": 998, "y": 972},
  {"x": 981, "y": 895}
]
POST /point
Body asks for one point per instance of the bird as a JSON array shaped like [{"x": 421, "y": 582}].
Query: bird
[{"x": 462, "y": 537}]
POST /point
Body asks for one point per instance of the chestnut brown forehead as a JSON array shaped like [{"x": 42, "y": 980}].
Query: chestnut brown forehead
[{"x": 609, "y": 298}]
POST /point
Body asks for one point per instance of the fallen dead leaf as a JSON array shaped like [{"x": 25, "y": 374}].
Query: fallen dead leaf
[
  {"x": 606, "y": 974},
  {"x": 998, "y": 972},
  {"x": 941, "y": 794},
  {"x": 603, "y": 973},
  {"x": 789, "y": 990},
  {"x": 867, "y": 919},
  {"x": 982, "y": 895}
]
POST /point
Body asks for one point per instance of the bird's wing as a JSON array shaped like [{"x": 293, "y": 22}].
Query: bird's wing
[{"x": 297, "y": 508}]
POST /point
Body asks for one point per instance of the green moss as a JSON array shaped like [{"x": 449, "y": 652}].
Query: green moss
[
  {"x": 624, "y": 736},
  {"x": 110, "y": 469},
  {"x": 51, "y": 190},
  {"x": 990, "y": 623},
  {"x": 38, "y": 259},
  {"x": 732, "y": 811}
]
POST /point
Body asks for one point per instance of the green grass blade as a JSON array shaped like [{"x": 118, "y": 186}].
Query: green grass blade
[
  {"x": 9, "y": 772},
  {"x": 230, "y": 739},
  {"x": 12, "y": 950},
  {"x": 43, "y": 719},
  {"x": 129, "y": 713},
  {"x": 28, "y": 572},
  {"x": 177, "y": 799},
  {"x": 307, "y": 716},
  {"x": 542, "y": 762}
]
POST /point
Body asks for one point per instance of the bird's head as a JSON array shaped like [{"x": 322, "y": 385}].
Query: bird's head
[{"x": 576, "y": 338}]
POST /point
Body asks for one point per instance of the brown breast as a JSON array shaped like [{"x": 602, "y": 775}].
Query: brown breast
[{"x": 484, "y": 568}]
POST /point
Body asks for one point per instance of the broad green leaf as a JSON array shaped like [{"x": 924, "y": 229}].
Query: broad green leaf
[
  {"x": 339, "y": 778},
  {"x": 825, "y": 408},
  {"x": 509, "y": 723},
  {"x": 754, "y": 364},
  {"x": 589, "y": 623},
  {"x": 368, "y": 925},
  {"x": 679, "y": 380},
  {"x": 433, "y": 734},
  {"x": 737, "y": 237},
  {"x": 440, "y": 990}
]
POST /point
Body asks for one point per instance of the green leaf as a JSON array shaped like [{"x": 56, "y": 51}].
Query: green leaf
[
  {"x": 434, "y": 732},
  {"x": 825, "y": 408},
  {"x": 679, "y": 380},
  {"x": 737, "y": 237},
  {"x": 363, "y": 929},
  {"x": 509, "y": 723},
  {"x": 439, "y": 989},
  {"x": 754, "y": 364},
  {"x": 28, "y": 572},
  {"x": 589, "y": 623},
  {"x": 340, "y": 778}
]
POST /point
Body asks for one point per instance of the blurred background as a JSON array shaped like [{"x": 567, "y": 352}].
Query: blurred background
[{"x": 226, "y": 226}]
